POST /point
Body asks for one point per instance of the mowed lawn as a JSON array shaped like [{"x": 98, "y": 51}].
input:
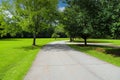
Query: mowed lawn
[
  {"x": 17, "y": 55},
  {"x": 112, "y": 41},
  {"x": 108, "y": 54}
]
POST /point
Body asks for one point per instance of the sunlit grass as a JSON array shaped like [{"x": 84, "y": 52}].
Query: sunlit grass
[
  {"x": 108, "y": 54},
  {"x": 112, "y": 41},
  {"x": 17, "y": 55}
]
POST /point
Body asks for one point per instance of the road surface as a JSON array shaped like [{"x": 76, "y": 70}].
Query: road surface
[{"x": 57, "y": 61}]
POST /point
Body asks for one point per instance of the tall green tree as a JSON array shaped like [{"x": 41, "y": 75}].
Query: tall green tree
[
  {"x": 31, "y": 15},
  {"x": 35, "y": 14},
  {"x": 84, "y": 24},
  {"x": 106, "y": 23},
  {"x": 7, "y": 23},
  {"x": 79, "y": 21},
  {"x": 69, "y": 21},
  {"x": 96, "y": 18}
]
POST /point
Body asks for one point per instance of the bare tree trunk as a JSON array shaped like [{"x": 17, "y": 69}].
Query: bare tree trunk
[
  {"x": 71, "y": 39},
  {"x": 34, "y": 39},
  {"x": 34, "y": 33}
]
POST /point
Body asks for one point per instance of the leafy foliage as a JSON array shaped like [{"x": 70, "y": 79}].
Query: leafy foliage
[
  {"x": 55, "y": 35},
  {"x": 95, "y": 18},
  {"x": 28, "y": 15}
]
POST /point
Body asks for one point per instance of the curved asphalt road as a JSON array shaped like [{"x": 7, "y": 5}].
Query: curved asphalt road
[{"x": 57, "y": 61}]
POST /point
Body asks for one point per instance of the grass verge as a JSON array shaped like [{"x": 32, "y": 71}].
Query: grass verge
[
  {"x": 112, "y": 41},
  {"x": 17, "y": 55},
  {"x": 108, "y": 54}
]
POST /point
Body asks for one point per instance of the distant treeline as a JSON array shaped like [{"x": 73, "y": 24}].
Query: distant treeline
[{"x": 42, "y": 34}]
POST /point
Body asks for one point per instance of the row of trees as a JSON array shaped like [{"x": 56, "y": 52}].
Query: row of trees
[
  {"x": 81, "y": 18},
  {"x": 46, "y": 32},
  {"x": 32, "y": 16},
  {"x": 92, "y": 18}
]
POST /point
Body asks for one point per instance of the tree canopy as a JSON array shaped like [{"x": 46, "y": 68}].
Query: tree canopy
[
  {"x": 92, "y": 18},
  {"x": 31, "y": 15},
  {"x": 81, "y": 18}
]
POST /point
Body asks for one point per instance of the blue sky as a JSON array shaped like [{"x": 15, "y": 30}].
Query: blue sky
[{"x": 61, "y": 5}]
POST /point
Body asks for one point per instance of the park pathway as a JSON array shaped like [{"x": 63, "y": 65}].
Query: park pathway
[{"x": 57, "y": 61}]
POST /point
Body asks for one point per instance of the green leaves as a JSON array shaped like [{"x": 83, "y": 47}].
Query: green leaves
[{"x": 35, "y": 12}]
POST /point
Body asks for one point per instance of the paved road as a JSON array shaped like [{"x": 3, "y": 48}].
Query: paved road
[{"x": 57, "y": 61}]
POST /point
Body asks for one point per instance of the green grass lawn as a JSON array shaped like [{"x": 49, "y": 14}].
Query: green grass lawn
[
  {"x": 113, "y": 41},
  {"x": 17, "y": 55},
  {"x": 108, "y": 54}
]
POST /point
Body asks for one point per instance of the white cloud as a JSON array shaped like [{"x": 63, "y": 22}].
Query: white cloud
[
  {"x": 8, "y": 14},
  {"x": 61, "y": 9}
]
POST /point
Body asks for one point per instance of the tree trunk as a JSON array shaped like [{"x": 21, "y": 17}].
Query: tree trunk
[
  {"x": 71, "y": 39},
  {"x": 34, "y": 39},
  {"x": 85, "y": 41},
  {"x": 34, "y": 33}
]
